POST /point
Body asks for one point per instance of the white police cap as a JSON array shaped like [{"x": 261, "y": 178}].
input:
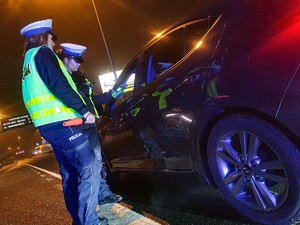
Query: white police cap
[
  {"x": 37, "y": 27},
  {"x": 73, "y": 50}
]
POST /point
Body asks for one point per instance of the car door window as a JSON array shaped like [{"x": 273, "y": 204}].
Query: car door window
[
  {"x": 194, "y": 33},
  {"x": 171, "y": 48},
  {"x": 127, "y": 77},
  {"x": 163, "y": 54}
]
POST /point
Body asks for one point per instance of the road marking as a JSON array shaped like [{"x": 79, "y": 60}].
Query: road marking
[
  {"x": 118, "y": 214},
  {"x": 46, "y": 171}
]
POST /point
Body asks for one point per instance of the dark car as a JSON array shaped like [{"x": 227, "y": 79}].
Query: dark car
[{"x": 218, "y": 93}]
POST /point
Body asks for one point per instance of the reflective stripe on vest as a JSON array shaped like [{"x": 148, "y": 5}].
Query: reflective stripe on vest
[
  {"x": 39, "y": 100},
  {"x": 90, "y": 97},
  {"x": 50, "y": 112}
]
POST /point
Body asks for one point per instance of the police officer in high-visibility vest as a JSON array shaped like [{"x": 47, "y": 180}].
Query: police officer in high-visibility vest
[
  {"x": 51, "y": 97},
  {"x": 71, "y": 56}
]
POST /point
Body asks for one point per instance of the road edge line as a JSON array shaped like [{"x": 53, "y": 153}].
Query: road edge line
[{"x": 45, "y": 171}]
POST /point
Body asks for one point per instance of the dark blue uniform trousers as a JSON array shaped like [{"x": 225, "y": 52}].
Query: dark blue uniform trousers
[
  {"x": 79, "y": 170},
  {"x": 104, "y": 190}
]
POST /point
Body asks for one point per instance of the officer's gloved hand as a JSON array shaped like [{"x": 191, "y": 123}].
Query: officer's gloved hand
[
  {"x": 89, "y": 118},
  {"x": 116, "y": 93}
]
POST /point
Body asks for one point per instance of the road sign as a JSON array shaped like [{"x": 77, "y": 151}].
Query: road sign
[{"x": 14, "y": 122}]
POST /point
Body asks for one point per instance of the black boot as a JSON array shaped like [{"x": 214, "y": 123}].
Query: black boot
[
  {"x": 103, "y": 221},
  {"x": 112, "y": 198}
]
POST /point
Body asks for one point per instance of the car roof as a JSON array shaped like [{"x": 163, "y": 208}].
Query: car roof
[
  {"x": 232, "y": 8},
  {"x": 258, "y": 12}
]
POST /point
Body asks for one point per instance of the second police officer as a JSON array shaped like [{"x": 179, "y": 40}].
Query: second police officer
[{"x": 71, "y": 56}]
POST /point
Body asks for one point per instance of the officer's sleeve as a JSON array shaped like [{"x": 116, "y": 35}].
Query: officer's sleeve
[
  {"x": 103, "y": 98},
  {"x": 49, "y": 70}
]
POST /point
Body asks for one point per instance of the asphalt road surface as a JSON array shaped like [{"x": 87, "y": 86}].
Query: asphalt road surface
[
  {"x": 31, "y": 194},
  {"x": 30, "y": 197}
]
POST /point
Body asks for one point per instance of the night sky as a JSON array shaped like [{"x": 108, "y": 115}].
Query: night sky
[{"x": 127, "y": 24}]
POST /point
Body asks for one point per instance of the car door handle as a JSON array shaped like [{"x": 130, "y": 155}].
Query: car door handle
[
  {"x": 169, "y": 79},
  {"x": 135, "y": 102},
  {"x": 124, "y": 116}
]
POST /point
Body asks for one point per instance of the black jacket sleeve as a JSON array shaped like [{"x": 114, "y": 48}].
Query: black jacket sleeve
[
  {"x": 103, "y": 98},
  {"x": 49, "y": 70}
]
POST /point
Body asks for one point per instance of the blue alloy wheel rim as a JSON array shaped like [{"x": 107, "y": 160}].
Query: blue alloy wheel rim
[{"x": 251, "y": 170}]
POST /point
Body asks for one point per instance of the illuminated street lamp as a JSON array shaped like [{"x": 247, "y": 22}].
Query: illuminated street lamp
[{"x": 19, "y": 140}]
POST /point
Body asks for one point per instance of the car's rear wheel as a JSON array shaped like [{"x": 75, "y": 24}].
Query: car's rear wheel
[{"x": 257, "y": 168}]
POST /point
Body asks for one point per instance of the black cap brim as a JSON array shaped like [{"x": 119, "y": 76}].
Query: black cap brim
[
  {"x": 79, "y": 59},
  {"x": 54, "y": 36}
]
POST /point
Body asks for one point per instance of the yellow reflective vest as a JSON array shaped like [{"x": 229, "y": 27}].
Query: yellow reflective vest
[{"x": 42, "y": 105}]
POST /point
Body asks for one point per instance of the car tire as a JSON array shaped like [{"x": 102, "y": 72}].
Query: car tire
[{"x": 263, "y": 180}]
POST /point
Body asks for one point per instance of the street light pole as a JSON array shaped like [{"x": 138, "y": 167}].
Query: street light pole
[{"x": 106, "y": 46}]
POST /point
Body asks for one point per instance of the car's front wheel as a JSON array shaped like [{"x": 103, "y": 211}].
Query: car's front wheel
[{"x": 257, "y": 168}]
